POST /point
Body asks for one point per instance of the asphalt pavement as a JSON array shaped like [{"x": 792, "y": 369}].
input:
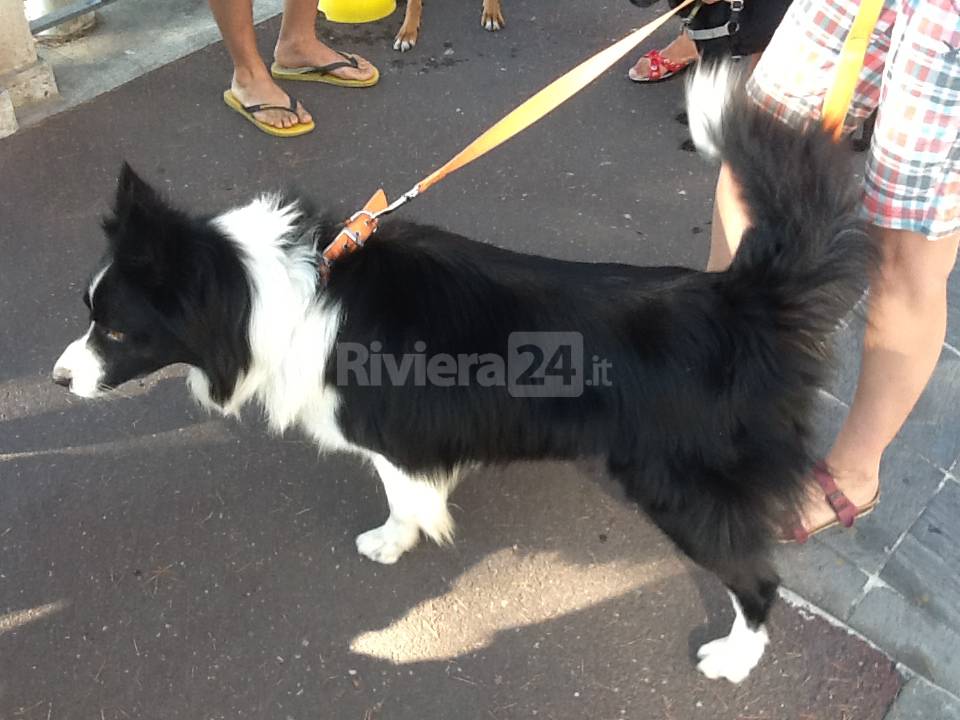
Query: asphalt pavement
[{"x": 156, "y": 562}]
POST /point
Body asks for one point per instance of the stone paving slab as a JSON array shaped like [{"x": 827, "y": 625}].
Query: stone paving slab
[
  {"x": 822, "y": 576},
  {"x": 918, "y": 700},
  {"x": 925, "y": 568},
  {"x": 909, "y": 633}
]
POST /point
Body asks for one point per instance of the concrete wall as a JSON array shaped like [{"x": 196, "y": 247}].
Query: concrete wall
[
  {"x": 16, "y": 44},
  {"x": 24, "y": 78}
]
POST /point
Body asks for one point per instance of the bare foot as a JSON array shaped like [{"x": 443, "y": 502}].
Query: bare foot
[
  {"x": 262, "y": 90},
  {"x": 860, "y": 489},
  {"x": 681, "y": 50},
  {"x": 306, "y": 53}
]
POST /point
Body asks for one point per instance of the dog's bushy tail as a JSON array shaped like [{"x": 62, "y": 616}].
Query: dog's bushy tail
[
  {"x": 805, "y": 248},
  {"x": 801, "y": 267}
]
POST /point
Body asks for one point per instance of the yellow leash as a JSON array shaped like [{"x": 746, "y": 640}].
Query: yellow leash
[
  {"x": 358, "y": 229},
  {"x": 836, "y": 104},
  {"x": 364, "y": 223}
]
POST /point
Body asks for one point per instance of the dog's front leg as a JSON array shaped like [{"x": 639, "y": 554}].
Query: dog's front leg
[
  {"x": 415, "y": 504},
  {"x": 407, "y": 36},
  {"x": 492, "y": 17}
]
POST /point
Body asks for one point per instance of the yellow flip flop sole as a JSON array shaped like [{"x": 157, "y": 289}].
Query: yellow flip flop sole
[
  {"x": 309, "y": 74},
  {"x": 300, "y": 128}
]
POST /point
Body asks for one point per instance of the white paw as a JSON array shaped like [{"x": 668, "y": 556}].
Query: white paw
[
  {"x": 403, "y": 45},
  {"x": 491, "y": 24},
  {"x": 732, "y": 657},
  {"x": 388, "y": 542}
]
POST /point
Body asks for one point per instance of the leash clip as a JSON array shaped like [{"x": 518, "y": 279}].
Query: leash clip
[{"x": 353, "y": 235}]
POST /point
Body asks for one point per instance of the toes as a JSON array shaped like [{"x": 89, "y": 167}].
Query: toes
[
  {"x": 492, "y": 21},
  {"x": 283, "y": 118},
  {"x": 302, "y": 114},
  {"x": 405, "y": 40},
  {"x": 640, "y": 71}
]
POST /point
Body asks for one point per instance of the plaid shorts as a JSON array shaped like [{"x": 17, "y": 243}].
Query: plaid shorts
[{"x": 911, "y": 75}]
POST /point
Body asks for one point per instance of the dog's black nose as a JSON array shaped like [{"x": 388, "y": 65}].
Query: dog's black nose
[{"x": 61, "y": 377}]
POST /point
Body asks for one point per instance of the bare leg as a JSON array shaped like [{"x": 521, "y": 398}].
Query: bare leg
[
  {"x": 907, "y": 319},
  {"x": 298, "y": 46},
  {"x": 251, "y": 83},
  {"x": 730, "y": 220},
  {"x": 415, "y": 504}
]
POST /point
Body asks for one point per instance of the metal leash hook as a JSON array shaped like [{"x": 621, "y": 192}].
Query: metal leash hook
[
  {"x": 355, "y": 232},
  {"x": 358, "y": 229}
]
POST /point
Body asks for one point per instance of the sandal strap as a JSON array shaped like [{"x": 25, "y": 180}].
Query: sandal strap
[
  {"x": 656, "y": 60},
  {"x": 667, "y": 63},
  {"x": 349, "y": 61},
  {"x": 845, "y": 510},
  {"x": 267, "y": 106}
]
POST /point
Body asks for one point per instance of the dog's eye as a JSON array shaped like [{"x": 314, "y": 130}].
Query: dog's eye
[{"x": 115, "y": 335}]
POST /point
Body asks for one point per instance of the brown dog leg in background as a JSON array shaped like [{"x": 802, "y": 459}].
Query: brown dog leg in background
[
  {"x": 492, "y": 18},
  {"x": 407, "y": 36}
]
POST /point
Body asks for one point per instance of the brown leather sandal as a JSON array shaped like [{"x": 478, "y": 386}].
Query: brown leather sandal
[{"x": 846, "y": 512}]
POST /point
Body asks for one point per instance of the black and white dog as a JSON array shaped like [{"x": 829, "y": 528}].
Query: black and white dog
[{"x": 705, "y": 412}]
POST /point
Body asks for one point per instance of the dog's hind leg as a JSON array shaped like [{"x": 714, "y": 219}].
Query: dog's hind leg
[
  {"x": 721, "y": 536},
  {"x": 753, "y": 589},
  {"x": 416, "y": 503},
  {"x": 752, "y": 584}
]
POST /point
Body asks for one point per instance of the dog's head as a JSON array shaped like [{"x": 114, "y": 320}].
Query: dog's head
[{"x": 169, "y": 289}]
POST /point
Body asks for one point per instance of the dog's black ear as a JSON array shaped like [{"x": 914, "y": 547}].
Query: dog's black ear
[
  {"x": 129, "y": 184},
  {"x": 133, "y": 195},
  {"x": 144, "y": 231}
]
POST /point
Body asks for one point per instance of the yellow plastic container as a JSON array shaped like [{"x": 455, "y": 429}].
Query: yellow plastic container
[{"x": 356, "y": 11}]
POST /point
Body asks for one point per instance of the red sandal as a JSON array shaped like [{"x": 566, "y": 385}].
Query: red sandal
[
  {"x": 846, "y": 512},
  {"x": 661, "y": 68}
]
